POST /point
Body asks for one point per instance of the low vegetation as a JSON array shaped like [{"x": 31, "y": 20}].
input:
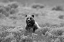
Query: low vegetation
[
  {"x": 37, "y": 6},
  {"x": 9, "y": 32},
  {"x": 58, "y": 8}
]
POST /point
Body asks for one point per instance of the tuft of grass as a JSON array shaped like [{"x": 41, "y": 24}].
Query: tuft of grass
[
  {"x": 13, "y": 11},
  {"x": 10, "y": 8},
  {"x": 26, "y": 39},
  {"x": 57, "y": 32},
  {"x": 13, "y": 5},
  {"x": 61, "y": 16},
  {"x": 58, "y": 8},
  {"x": 37, "y": 5},
  {"x": 42, "y": 31}
]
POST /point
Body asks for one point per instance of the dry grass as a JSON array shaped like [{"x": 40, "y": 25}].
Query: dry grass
[{"x": 12, "y": 24}]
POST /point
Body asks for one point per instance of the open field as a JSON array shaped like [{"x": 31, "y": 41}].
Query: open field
[{"x": 12, "y": 23}]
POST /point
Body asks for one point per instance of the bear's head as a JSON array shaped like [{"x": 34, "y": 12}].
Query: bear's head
[{"x": 30, "y": 20}]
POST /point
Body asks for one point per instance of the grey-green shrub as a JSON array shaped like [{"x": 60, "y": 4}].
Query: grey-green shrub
[{"x": 58, "y": 8}]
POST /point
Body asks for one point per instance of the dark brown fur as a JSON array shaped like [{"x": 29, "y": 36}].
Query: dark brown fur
[{"x": 30, "y": 24}]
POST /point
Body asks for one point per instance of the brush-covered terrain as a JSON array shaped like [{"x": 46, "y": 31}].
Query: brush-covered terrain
[{"x": 12, "y": 23}]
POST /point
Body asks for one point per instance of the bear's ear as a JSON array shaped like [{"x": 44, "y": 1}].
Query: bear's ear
[
  {"x": 25, "y": 15},
  {"x": 32, "y": 15}
]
